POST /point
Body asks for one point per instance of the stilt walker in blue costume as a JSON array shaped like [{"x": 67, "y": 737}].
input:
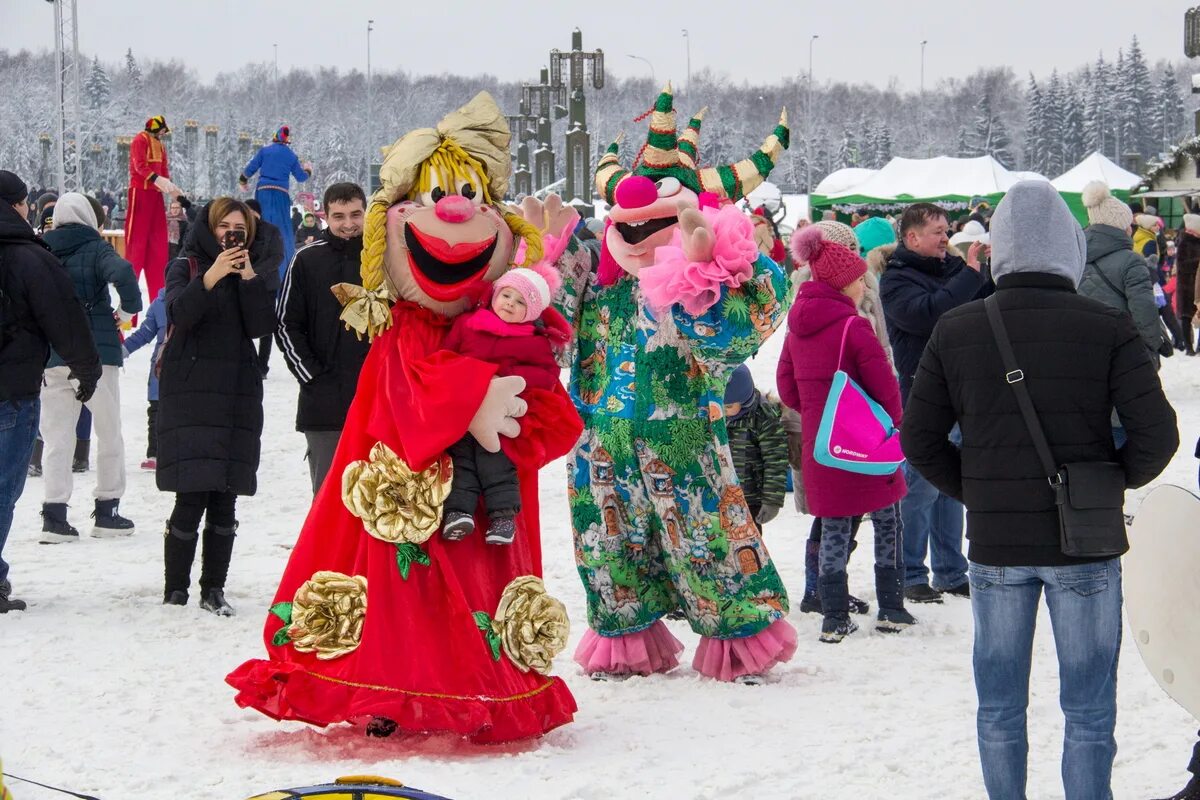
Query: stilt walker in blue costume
[{"x": 276, "y": 164}]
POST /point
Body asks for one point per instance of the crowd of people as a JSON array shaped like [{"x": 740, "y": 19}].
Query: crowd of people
[{"x": 888, "y": 304}]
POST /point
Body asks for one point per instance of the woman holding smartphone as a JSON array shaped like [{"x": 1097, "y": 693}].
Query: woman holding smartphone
[{"x": 210, "y": 414}]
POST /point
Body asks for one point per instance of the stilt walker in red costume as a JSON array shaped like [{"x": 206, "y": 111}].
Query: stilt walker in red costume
[
  {"x": 146, "y": 215},
  {"x": 380, "y": 619}
]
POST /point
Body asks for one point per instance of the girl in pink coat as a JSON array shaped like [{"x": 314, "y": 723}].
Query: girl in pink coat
[{"x": 810, "y": 358}]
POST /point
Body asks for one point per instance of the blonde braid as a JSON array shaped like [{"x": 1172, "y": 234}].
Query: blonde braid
[
  {"x": 522, "y": 228},
  {"x": 374, "y": 240}
]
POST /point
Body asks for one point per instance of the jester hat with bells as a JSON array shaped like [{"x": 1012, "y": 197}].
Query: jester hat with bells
[
  {"x": 436, "y": 233},
  {"x": 645, "y": 200}
]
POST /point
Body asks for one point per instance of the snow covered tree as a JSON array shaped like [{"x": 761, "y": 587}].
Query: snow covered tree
[
  {"x": 1074, "y": 145},
  {"x": 989, "y": 136},
  {"x": 98, "y": 87},
  {"x": 1170, "y": 112},
  {"x": 1035, "y": 126},
  {"x": 1052, "y": 127},
  {"x": 962, "y": 144},
  {"x": 847, "y": 153},
  {"x": 1138, "y": 92},
  {"x": 881, "y": 152}
]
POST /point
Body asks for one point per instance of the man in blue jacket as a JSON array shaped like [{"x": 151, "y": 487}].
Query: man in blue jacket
[
  {"x": 276, "y": 165},
  {"x": 923, "y": 281}
]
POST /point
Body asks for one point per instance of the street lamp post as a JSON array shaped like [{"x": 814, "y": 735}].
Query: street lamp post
[
  {"x": 688, "y": 41},
  {"x": 923, "y": 43},
  {"x": 370, "y": 27},
  {"x": 643, "y": 58},
  {"x": 275, "y": 84},
  {"x": 808, "y": 122}
]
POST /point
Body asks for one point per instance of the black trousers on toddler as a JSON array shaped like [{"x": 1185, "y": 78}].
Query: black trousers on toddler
[{"x": 478, "y": 473}]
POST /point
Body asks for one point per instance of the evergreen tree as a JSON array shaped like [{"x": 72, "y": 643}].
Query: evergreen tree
[
  {"x": 1035, "y": 127},
  {"x": 1138, "y": 88},
  {"x": 1120, "y": 99},
  {"x": 1170, "y": 111},
  {"x": 1074, "y": 141},
  {"x": 882, "y": 152},
  {"x": 847, "y": 154},
  {"x": 990, "y": 136},
  {"x": 98, "y": 87},
  {"x": 133, "y": 83},
  {"x": 1053, "y": 127},
  {"x": 1095, "y": 112},
  {"x": 962, "y": 146}
]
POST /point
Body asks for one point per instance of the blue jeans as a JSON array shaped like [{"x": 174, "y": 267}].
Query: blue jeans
[
  {"x": 933, "y": 525},
  {"x": 18, "y": 429},
  {"x": 1085, "y": 613}
]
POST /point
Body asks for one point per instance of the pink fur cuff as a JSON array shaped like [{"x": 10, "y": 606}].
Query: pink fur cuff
[{"x": 696, "y": 285}]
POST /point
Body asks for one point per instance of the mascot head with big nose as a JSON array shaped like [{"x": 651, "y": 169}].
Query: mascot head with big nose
[
  {"x": 437, "y": 234},
  {"x": 645, "y": 201}
]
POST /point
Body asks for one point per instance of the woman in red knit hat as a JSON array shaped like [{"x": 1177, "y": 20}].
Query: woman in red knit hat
[{"x": 820, "y": 341}]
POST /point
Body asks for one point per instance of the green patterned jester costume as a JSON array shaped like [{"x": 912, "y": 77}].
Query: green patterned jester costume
[{"x": 680, "y": 297}]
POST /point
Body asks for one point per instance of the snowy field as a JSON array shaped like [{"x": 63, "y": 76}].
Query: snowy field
[{"x": 107, "y": 692}]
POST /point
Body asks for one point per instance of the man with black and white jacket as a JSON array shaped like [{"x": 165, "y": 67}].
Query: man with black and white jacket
[{"x": 320, "y": 352}]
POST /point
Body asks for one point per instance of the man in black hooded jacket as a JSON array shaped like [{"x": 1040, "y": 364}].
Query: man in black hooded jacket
[{"x": 38, "y": 309}]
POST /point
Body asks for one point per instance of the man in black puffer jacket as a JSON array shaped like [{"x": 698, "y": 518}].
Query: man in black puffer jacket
[
  {"x": 38, "y": 308},
  {"x": 1080, "y": 360},
  {"x": 922, "y": 281},
  {"x": 320, "y": 352}
]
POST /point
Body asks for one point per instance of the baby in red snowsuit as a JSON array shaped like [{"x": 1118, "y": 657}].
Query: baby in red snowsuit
[{"x": 519, "y": 332}]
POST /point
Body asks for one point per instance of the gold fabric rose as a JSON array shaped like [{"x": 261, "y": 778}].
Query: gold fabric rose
[
  {"x": 396, "y": 504},
  {"x": 367, "y": 313},
  {"x": 531, "y": 625},
  {"x": 327, "y": 614}
]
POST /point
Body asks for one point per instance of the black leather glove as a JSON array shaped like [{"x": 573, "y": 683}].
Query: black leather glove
[{"x": 86, "y": 389}]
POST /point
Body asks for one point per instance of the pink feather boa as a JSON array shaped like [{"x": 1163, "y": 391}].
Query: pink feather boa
[{"x": 696, "y": 285}]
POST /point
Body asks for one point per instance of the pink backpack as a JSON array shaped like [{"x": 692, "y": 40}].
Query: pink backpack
[{"x": 856, "y": 434}]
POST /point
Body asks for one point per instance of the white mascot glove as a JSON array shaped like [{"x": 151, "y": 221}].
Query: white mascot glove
[{"x": 497, "y": 413}]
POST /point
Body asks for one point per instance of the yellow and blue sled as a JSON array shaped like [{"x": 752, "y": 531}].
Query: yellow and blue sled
[{"x": 352, "y": 787}]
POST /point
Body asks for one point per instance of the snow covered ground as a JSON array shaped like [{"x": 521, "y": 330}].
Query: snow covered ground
[{"x": 105, "y": 691}]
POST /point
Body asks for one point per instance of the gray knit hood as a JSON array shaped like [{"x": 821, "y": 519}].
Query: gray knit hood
[{"x": 1034, "y": 231}]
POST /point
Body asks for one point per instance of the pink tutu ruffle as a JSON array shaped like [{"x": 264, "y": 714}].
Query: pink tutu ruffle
[
  {"x": 727, "y": 659},
  {"x": 643, "y": 653}
]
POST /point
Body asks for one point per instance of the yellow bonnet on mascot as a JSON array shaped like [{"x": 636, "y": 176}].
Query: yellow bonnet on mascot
[{"x": 436, "y": 233}]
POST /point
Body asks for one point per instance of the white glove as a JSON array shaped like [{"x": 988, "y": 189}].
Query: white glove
[
  {"x": 497, "y": 414},
  {"x": 165, "y": 186}
]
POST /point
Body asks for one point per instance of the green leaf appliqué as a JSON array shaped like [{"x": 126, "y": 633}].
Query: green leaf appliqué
[{"x": 408, "y": 554}]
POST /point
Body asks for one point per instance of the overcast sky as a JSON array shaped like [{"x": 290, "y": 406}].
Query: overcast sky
[{"x": 863, "y": 41}]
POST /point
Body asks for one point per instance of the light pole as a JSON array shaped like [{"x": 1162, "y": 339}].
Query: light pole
[
  {"x": 808, "y": 123},
  {"x": 688, "y": 41},
  {"x": 651, "y": 66},
  {"x": 275, "y": 84},
  {"x": 923, "y": 43},
  {"x": 367, "y": 182}
]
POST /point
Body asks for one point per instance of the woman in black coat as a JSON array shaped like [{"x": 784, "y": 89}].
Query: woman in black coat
[{"x": 210, "y": 414}]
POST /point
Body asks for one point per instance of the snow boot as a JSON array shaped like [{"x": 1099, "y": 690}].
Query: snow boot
[
  {"x": 381, "y": 727},
  {"x": 79, "y": 462},
  {"x": 457, "y": 525},
  {"x": 889, "y": 591},
  {"x": 962, "y": 590},
  {"x": 923, "y": 593},
  {"x": 501, "y": 530},
  {"x": 110, "y": 524},
  {"x": 35, "y": 460},
  {"x": 179, "y": 551},
  {"x": 55, "y": 528},
  {"x": 218, "y": 550},
  {"x": 835, "y": 605},
  {"x": 7, "y": 601},
  {"x": 751, "y": 679},
  {"x": 811, "y": 604}
]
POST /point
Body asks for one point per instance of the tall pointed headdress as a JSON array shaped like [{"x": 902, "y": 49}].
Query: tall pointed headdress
[{"x": 667, "y": 154}]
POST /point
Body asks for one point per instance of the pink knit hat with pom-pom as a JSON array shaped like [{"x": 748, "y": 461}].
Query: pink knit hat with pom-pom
[
  {"x": 831, "y": 263},
  {"x": 536, "y": 285}
]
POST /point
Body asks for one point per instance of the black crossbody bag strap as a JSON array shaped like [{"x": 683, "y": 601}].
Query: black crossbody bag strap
[{"x": 1016, "y": 379}]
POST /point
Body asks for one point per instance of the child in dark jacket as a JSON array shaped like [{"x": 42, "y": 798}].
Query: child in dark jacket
[
  {"x": 153, "y": 327},
  {"x": 758, "y": 444},
  {"x": 520, "y": 333},
  {"x": 826, "y": 333}
]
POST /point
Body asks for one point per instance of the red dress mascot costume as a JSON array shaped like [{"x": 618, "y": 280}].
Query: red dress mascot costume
[
  {"x": 145, "y": 215},
  {"x": 379, "y": 619}
]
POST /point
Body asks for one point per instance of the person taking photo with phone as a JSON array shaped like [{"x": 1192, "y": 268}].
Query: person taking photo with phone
[{"x": 210, "y": 415}]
